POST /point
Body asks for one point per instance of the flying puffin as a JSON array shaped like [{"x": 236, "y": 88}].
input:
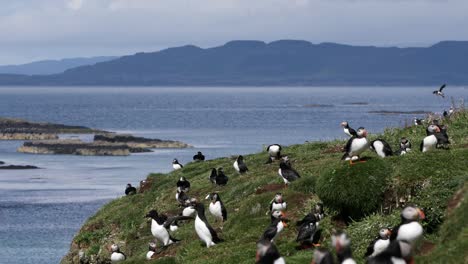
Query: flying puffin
[
  {"x": 182, "y": 197},
  {"x": 151, "y": 251},
  {"x": 267, "y": 253},
  {"x": 199, "y": 157},
  {"x": 176, "y": 165},
  {"x": 287, "y": 172},
  {"x": 439, "y": 92},
  {"x": 342, "y": 244},
  {"x": 379, "y": 244},
  {"x": 278, "y": 204},
  {"x": 355, "y": 146},
  {"x": 239, "y": 165},
  {"x": 409, "y": 230},
  {"x": 213, "y": 176},
  {"x": 277, "y": 225},
  {"x": 322, "y": 256},
  {"x": 348, "y": 130},
  {"x": 274, "y": 151},
  {"x": 221, "y": 178},
  {"x": 130, "y": 190},
  {"x": 160, "y": 224},
  {"x": 116, "y": 255},
  {"x": 217, "y": 208},
  {"x": 430, "y": 141},
  {"x": 203, "y": 229},
  {"x": 183, "y": 184},
  {"x": 397, "y": 252},
  {"x": 381, "y": 147}
]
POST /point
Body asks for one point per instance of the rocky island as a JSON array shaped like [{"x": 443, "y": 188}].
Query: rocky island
[{"x": 138, "y": 142}]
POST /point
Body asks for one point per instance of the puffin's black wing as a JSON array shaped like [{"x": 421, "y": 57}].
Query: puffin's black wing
[
  {"x": 306, "y": 232},
  {"x": 352, "y": 132},
  {"x": 370, "y": 248},
  {"x": 394, "y": 234},
  {"x": 130, "y": 191},
  {"x": 310, "y": 218},
  {"x": 347, "y": 148},
  {"x": 442, "y": 87},
  {"x": 290, "y": 174},
  {"x": 421, "y": 146},
  {"x": 223, "y": 211},
  {"x": 213, "y": 233},
  {"x": 213, "y": 176},
  {"x": 242, "y": 167},
  {"x": 386, "y": 148},
  {"x": 270, "y": 232}
]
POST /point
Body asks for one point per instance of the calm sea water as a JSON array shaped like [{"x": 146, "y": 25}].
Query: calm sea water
[{"x": 41, "y": 210}]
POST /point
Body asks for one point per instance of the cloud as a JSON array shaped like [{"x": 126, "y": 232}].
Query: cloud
[{"x": 83, "y": 27}]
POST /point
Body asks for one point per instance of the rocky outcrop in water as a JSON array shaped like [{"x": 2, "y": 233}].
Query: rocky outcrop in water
[
  {"x": 18, "y": 167},
  {"x": 78, "y": 147},
  {"x": 138, "y": 142},
  {"x": 17, "y": 129}
]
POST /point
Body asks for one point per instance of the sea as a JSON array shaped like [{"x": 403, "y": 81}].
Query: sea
[{"x": 41, "y": 210}]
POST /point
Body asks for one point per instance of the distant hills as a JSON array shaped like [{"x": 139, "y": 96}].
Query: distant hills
[
  {"x": 284, "y": 62},
  {"x": 45, "y": 67}
]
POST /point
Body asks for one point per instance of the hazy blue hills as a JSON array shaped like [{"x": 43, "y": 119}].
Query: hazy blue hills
[
  {"x": 284, "y": 62},
  {"x": 51, "y": 66}
]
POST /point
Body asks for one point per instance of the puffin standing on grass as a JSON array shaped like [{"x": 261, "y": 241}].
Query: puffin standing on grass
[
  {"x": 182, "y": 197},
  {"x": 116, "y": 255},
  {"x": 379, "y": 244},
  {"x": 277, "y": 204},
  {"x": 439, "y": 92},
  {"x": 430, "y": 142},
  {"x": 398, "y": 252},
  {"x": 203, "y": 229},
  {"x": 355, "y": 146},
  {"x": 213, "y": 176},
  {"x": 267, "y": 253},
  {"x": 381, "y": 147},
  {"x": 276, "y": 227},
  {"x": 216, "y": 207},
  {"x": 287, "y": 172},
  {"x": 160, "y": 225},
  {"x": 274, "y": 151},
  {"x": 409, "y": 230},
  {"x": 239, "y": 165},
  {"x": 221, "y": 178},
  {"x": 176, "y": 165},
  {"x": 199, "y": 157},
  {"x": 130, "y": 190},
  {"x": 348, "y": 130},
  {"x": 405, "y": 146},
  {"x": 151, "y": 251},
  {"x": 308, "y": 228},
  {"x": 183, "y": 184}
]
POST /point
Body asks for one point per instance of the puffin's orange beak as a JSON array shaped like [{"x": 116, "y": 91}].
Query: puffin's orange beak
[
  {"x": 284, "y": 224},
  {"x": 389, "y": 232},
  {"x": 421, "y": 214}
]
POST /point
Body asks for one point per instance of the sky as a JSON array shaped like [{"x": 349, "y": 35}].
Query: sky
[{"x": 51, "y": 29}]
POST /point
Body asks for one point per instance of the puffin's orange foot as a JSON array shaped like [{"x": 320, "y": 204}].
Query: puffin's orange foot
[{"x": 316, "y": 245}]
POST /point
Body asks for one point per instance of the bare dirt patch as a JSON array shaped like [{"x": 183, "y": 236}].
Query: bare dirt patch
[{"x": 270, "y": 188}]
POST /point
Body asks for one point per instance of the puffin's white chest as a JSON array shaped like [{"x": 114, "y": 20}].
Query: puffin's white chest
[
  {"x": 236, "y": 166},
  {"x": 215, "y": 209},
  {"x": 159, "y": 232},
  {"x": 188, "y": 211},
  {"x": 396, "y": 260},
  {"x": 273, "y": 150},
  {"x": 349, "y": 261},
  {"x": 278, "y": 206},
  {"x": 203, "y": 232},
  {"x": 358, "y": 145},
  {"x": 429, "y": 142},
  {"x": 380, "y": 245},
  {"x": 176, "y": 166},
  {"x": 378, "y": 147},
  {"x": 410, "y": 232},
  {"x": 346, "y": 131},
  {"x": 117, "y": 257},
  {"x": 279, "y": 228},
  {"x": 279, "y": 261},
  {"x": 280, "y": 173},
  {"x": 149, "y": 255}
]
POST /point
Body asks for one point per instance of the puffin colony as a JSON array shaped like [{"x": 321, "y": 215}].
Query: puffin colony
[{"x": 391, "y": 245}]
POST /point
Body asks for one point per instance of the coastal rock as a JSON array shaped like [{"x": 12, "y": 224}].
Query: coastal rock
[
  {"x": 138, "y": 142},
  {"x": 78, "y": 147},
  {"x": 28, "y": 136}
]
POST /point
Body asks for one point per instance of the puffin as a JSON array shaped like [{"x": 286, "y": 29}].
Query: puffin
[
  {"x": 381, "y": 147},
  {"x": 221, "y": 178},
  {"x": 267, "y": 253},
  {"x": 116, "y": 255},
  {"x": 355, "y": 146},
  {"x": 322, "y": 256},
  {"x": 199, "y": 157},
  {"x": 278, "y": 204},
  {"x": 316, "y": 214},
  {"x": 348, "y": 130},
  {"x": 274, "y": 150},
  {"x": 130, "y": 190},
  {"x": 308, "y": 228},
  {"x": 176, "y": 165},
  {"x": 276, "y": 227},
  {"x": 409, "y": 230},
  {"x": 183, "y": 184},
  {"x": 439, "y": 92},
  {"x": 442, "y": 137},
  {"x": 203, "y": 229},
  {"x": 287, "y": 172},
  {"x": 397, "y": 252},
  {"x": 417, "y": 121},
  {"x": 151, "y": 251},
  {"x": 405, "y": 146},
  {"x": 430, "y": 141},
  {"x": 213, "y": 176},
  {"x": 379, "y": 244},
  {"x": 182, "y": 197},
  {"x": 216, "y": 207},
  {"x": 189, "y": 210},
  {"x": 451, "y": 111},
  {"x": 239, "y": 165},
  {"x": 342, "y": 244},
  {"x": 161, "y": 223}
]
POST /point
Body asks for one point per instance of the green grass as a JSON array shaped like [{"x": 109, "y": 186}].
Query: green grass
[{"x": 366, "y": 194}]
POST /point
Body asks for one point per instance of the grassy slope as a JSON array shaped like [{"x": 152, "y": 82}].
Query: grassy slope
[{"x": 428, "y": 179}]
